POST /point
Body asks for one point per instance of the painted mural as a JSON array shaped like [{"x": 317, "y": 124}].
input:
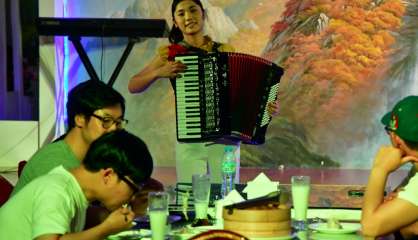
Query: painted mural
[
  {"x": 341, "y": 67},
  {"x": 346, "y": 62}
]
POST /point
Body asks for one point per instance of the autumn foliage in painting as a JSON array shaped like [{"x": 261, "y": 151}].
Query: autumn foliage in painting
[{"x": 334, "y": 52}]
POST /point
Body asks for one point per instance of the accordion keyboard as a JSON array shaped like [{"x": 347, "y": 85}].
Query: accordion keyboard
[{"x": 187, "y": 99}]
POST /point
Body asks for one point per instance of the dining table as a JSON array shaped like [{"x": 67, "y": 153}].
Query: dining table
[
  {"x": 181, "y": 229},
  {"x": 336, "y": 193}
]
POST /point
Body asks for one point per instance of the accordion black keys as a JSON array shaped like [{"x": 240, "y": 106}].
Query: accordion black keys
[{"x": 225, "y": 94}]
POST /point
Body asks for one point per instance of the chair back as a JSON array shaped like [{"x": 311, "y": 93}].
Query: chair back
[
  {"x": 6, "y": 189},
  {"x": 218, "y": 234}
]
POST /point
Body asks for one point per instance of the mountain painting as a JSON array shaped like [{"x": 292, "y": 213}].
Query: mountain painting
[{"x": 346, "y": 63}]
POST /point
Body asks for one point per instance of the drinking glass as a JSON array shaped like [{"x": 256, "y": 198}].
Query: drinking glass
[
  {"x": 158, "y": 213},
  {"x": 201, "y": 193},
  {"x": 300, "y": 198}
]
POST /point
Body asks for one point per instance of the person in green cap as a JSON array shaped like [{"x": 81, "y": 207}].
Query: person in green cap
[{"x": 381, "y": 217}]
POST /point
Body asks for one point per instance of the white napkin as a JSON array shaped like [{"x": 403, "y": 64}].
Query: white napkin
[
  {"x": 260, "y": 186},
  {"x": 231, "y": 198}
]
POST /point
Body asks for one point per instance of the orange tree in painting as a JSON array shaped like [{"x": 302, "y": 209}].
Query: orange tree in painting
[{"x": 334, "y": 52}]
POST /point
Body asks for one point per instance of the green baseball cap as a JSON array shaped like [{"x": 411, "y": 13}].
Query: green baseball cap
[{"x": 403, "y": 119}]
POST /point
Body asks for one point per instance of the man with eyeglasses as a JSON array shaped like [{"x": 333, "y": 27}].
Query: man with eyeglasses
[
  {"x": 400, "y": 214},
  {"x": 54, "y": 205},
  {"x": 93, "y": 108}
]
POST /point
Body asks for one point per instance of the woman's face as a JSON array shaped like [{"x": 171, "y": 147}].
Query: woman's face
[{"x": 188, "y": 17}]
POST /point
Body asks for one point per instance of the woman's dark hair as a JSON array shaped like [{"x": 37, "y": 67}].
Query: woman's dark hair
[
  {"x": 122, "y": 151},
  {"x": 89, "y": 96},
  {"x": 175, "y": 34}
]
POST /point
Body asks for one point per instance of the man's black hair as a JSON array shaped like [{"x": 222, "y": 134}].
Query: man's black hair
[
  {"x": 122, "y": 151},
  {"x": 89, "y": 96}
]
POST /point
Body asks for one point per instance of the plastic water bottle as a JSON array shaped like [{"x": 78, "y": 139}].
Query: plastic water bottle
[{"x": 228, "y": 171}]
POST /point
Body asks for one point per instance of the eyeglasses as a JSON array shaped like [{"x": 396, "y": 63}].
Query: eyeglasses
[
  {"x": 107, "y": 122},
  {"x": 135, "y": 188}
]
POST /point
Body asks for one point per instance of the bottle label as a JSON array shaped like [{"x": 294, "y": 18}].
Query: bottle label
[{"x": 228, "y": 167}]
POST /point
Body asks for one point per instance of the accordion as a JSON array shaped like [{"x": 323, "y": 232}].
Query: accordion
[{"x": 224, "y": 94}]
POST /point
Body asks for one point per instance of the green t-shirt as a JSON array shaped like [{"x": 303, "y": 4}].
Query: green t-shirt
[
  {"x": 51, "y": 204},
  {"x": 44, "y": 160}
]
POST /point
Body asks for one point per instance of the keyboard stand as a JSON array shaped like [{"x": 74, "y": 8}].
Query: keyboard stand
[
  {"x": 76, "y": 40},
  {"x": 75, "y": 28}
]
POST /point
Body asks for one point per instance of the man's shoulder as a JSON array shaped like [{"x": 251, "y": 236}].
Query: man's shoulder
[
  {"x": 58, "y": 180},
  {"x": 56, "y": 193},
  {"x": 53, "y": 177},
  {"x": 54, "y": 146},
  {"x": 55, "y": 150},
  {"x": 45, "y": 159},
  {"x": 40, "y": 184}
]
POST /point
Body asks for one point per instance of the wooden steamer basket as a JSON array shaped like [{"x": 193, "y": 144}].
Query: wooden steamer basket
[{"x": 262, "y": 221}]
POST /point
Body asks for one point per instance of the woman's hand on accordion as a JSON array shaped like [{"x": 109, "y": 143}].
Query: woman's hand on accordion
[
  {"x": 171, "y": 69},
  {"x": 273, "y": 108}
]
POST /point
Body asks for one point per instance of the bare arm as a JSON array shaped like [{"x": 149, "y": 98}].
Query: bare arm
[
  {"x": 95, "y": 233},
  {"x": 379, "y": 217},
  {"x": 411, "y": 231},
  {"x": 113, "y": 224},
  {"x": 157, "y": 68}
]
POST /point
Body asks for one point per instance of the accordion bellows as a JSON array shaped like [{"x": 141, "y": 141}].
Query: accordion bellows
[{"x": 225, "y": 95}]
